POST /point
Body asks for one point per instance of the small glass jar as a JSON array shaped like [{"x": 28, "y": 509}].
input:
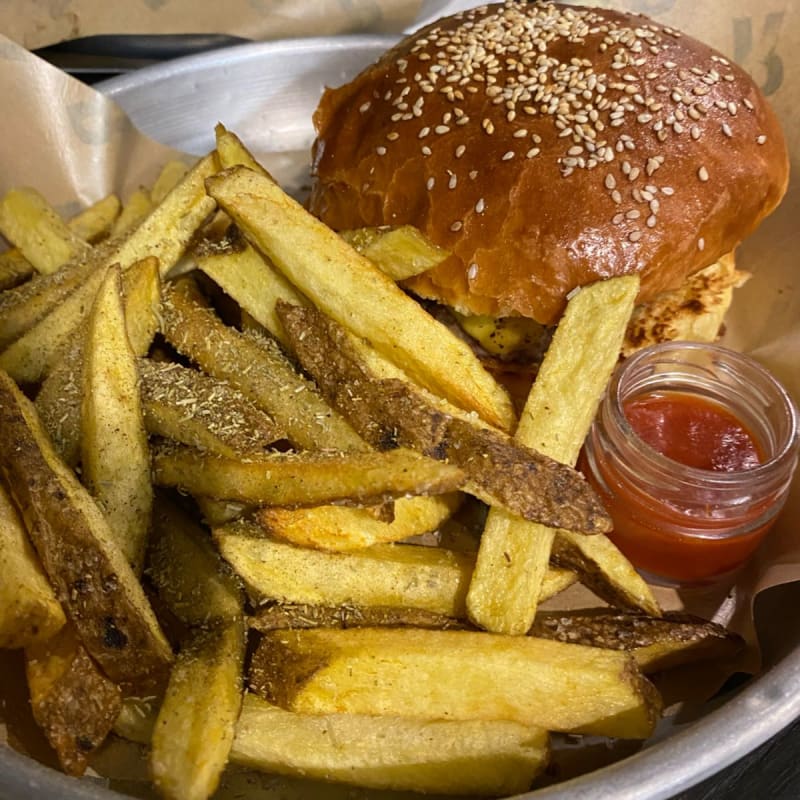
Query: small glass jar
[{"x": 684, "y": 525}]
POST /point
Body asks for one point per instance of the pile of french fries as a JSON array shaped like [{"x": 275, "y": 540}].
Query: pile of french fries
[{"x": 258, "y": 506}]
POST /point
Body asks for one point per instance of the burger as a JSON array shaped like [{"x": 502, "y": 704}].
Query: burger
[{"x": 548, "y": 146}]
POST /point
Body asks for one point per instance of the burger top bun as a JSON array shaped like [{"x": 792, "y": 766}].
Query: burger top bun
[{"x": 546, "y": 147}]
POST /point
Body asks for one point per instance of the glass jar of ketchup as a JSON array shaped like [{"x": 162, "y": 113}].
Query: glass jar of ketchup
[{"x": 692, "y": 451}]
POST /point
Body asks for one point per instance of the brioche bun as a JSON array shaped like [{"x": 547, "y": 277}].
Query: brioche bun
[{"x": 549, "y": 146}]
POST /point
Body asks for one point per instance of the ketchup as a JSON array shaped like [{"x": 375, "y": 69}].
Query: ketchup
[
  {"x": 693, "y": 431},
  {"x": 692, "y": 452}
]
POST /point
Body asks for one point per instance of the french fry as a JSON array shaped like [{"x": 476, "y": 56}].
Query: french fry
[
  {"x": 195, "y": 409},
  {"x": 232, "y": 152},
  {"x": 427, "y": 578},
  {"x": 404, "y": 672},
  {"x": 357, "y": 294},
  {"x": 136, "y": 208},
  {"x": 195, "y": 726},
  {"x": 388, "y": 576},
  {"x": 246, "y": 276},
  {"x": 95, "y": 221},
  {"x": 194, "y": 730},
  {"x": 73, "y": 703},
  {"x": 389, "y": 413},
  {"x": 90, "y": 225},
  {"x": 29, "y": 222},
  {"x": 257, "y": 368},
  {"x": 29, "y": 611},
  {"x": 34, "y": 354},
  {"x": 443, "y": 757},
  {"x": 14, "y": 269},
  {"x": 514, "y": 554},
  {"x": 439, "y": 756},
  {"x": 115, "y": 456},
  {"x": 90, "y": 574},
  {"x": 657, "y": 643},
  {"x": 399, "y": 252},
  {"x": 171, "y": 174},
  {"x": 340, "y": 528},
  {"x": 603, "y": 568},
  {"x": 22, "y": 307},
  {"x": 59, "y": 398},
  {"x": 193, "y": 581},
  {"x": 309, "y": 478},
  {"x": 167, "y": 230}
]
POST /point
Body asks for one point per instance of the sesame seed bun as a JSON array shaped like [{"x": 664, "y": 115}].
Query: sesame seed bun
[{"x": 549, "y": 146}]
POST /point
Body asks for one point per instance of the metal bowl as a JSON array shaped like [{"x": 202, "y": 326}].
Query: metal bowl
[{"x": 266, "y": 92}]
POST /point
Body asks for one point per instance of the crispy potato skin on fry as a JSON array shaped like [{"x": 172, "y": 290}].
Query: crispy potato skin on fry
[
  {"x": 391, "y": 413},
  {"x": 29, "y": 611},
  {"x": 657, "y": 643},
  {"x": 72, "y": 701},
  {"x": 90, "y": 575}
]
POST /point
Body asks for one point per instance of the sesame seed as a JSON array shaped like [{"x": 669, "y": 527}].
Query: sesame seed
[
  {"x": 667, "y": 190},
  {"x": 453, "y": 181},
  {"x": 702, "y": 173},
  {"x": 393, "y": 136},
  {"x": 431, "y": 182},
  {"x": 457, "y": 226},
  {"x": 364, "y": 107},
  {"x": 533, "y": 152},
  {"x": 651, "y": 221},
  {"x": 701, "y": 244},
  {"x": 507, "y": 156},
  {"x": 618, "y": 219},
  {"x": 426, "y": 151},
  {"x": 761, "y": 139},
  {"x": 695, "y": 132},
  {"x": 726, "y": 129},
  {"x": 634, "y": 236},
  {"x": 473, "y": 174},
  {"x": 610, "y": 181},
  {"x": 480, "y": 206},
  {"x": 634, "y": 213},
  {"x": 381, "y": 150},
  {"x": 472, "y": 272},
  {"x": 616, "y": 196},
  {"x": 441, "y": 129},
  {"x": 460, "y": 150}
]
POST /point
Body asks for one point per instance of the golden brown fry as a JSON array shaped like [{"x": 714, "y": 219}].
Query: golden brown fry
[
  {"x": 59, "y": 398},
  {"x": 384, "y": 671},
  {"x": 167, "y": 230},
  {"x": 341, "y": 528},
  {"x": 442, "y": 756},
  {"x": 357, "y": 294},
  {"x": 115, "y": 457},
  {"x": 428, "y": 578},
  {"x": 94, "y": 222},
  {"x": 657, "y": 643},
  {"x": 195, "y": 726},
  {"x": 232, "y": 152},
  {"x": 91, "y": 224},
  {"x": 88, "y": 571},
  {"x": 30, "y": 223},
  {"x": 388, "y": 413},
  {"x": 514, "y": 554},
  {"x": 73, "y": 703},
  {"x": 257, "y": 368},
  {"x": 195, "y": 409},
  {"x": 172, "y": 173},
  {"x": 399, "y": 252},
  {"x": 299, "y": 479},
  {"x": 604, "y": 569},
  {"x": 29, "y": 611},
  {"x": 22, "y": 307},
  {"x": 248, "y": 277},
  {"x": 135, "y": 209},
  {"x": 35, "y": 353},
  {"x": 389, "y": 576},
  {"x": 192, "y": 580}
]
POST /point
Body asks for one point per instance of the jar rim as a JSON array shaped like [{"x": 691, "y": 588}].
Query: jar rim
[{"x": 789, "y": 444}]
